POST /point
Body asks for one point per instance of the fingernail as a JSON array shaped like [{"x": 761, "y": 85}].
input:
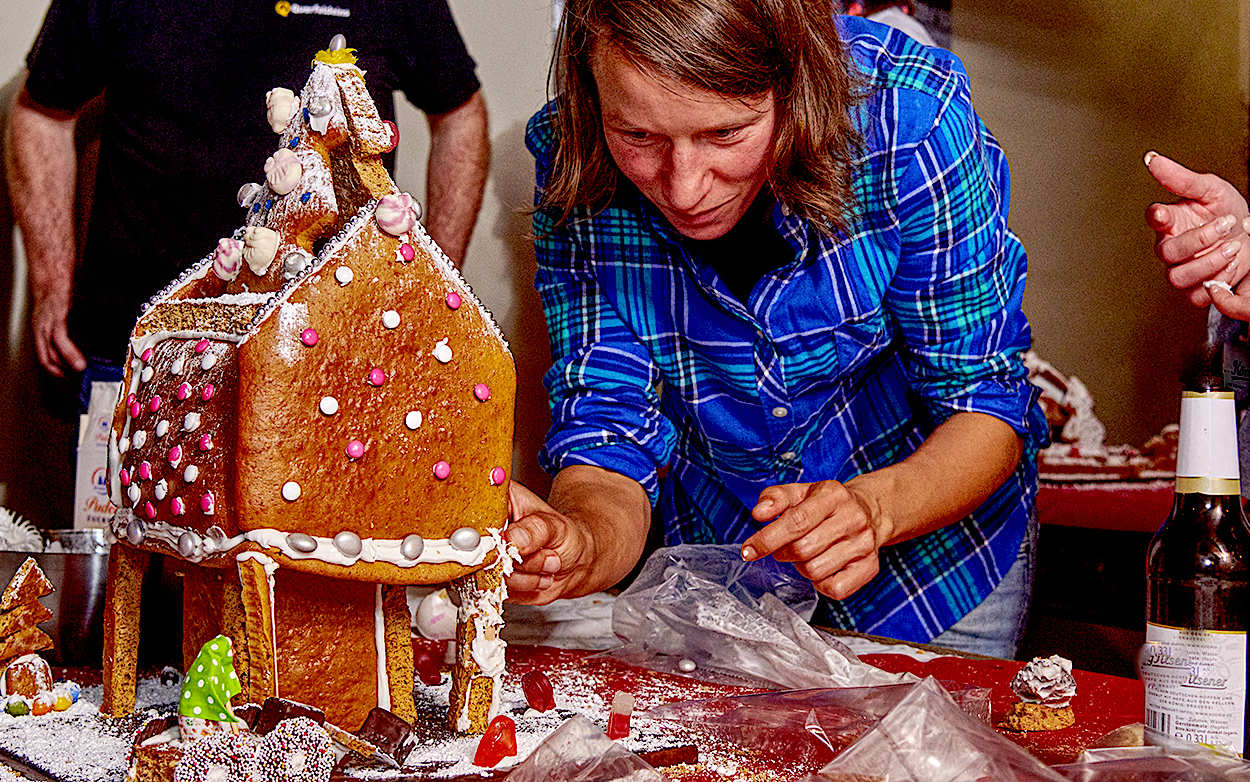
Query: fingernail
[
  {"x": 1225, "y": 224},
  {"x": 551, "y": 564},
  {"x": 1150, "y": 156},
  {"x": 1231, "y": 249},
  {"x": 1245, "y": 225},
  {"x": 748, "y": 553},
  {"x": 765, "y": 504},
  {"x": 545, "y": 581},
  {"x": 519, "y": 537}
]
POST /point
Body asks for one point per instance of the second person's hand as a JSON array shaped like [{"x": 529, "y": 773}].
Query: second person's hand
[{"x": 553, "y": 547}]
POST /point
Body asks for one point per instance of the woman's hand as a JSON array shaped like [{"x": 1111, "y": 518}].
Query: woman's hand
[
  {"x": 831, "y": 533},
  {"x": 1203, "y": 236},
  {"x": 554, "y": 548}
]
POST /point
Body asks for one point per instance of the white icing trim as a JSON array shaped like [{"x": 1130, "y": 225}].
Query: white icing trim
[
  {"x": 436, "y": 551},
  {"x": 489, "y": 655},
  {"x": 140, "y": 344},
  {"x": 379, "y": 643},
  {"x": 271, "y": 567}
]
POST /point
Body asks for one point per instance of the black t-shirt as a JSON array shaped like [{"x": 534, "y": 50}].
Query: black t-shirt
[
  {"x": 750, "y": 249},
  {"x": 184, "y": 124}
]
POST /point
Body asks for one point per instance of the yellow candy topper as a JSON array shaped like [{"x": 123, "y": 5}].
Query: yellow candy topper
[{"x": 336, "y": 57}]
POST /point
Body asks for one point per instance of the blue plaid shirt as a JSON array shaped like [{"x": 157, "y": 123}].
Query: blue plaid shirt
[{"x": 843, "y": 359}]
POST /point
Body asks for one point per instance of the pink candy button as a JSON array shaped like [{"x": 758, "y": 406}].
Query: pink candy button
[
  {"x": 135, "y": 409},
  {"x": 453, "y": 300},
  {"x": 130, "y": 400},
  {"x": 144, "y": 471},
  {"x": 206, "y": 442},
  {"x": 147, "y": 355},
  {"x": 177, "y": 507},
  {"x": 481, "y": 391},
  {"x": 155, "y": 404},
  {"x": 208, "y": 392},
  {"x": 498, "y": 476},
  {"x": 355, "y": 449},
  {"x": 206, "y": 502},
  {"x": 149, "y": 510},
  {"x": 442, "y": 470},
  {"x": 201, "y": 346},
  {"x": 309, "y": 337},
  {"x": 376, "y": 377},
  {"x": 407, "y": 252},
  {"x": 124, "y": 475},
  {"x": 175, "y": 455},
  {"x": 183, "y": 391}
]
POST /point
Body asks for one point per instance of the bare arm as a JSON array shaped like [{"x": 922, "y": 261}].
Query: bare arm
[
  {"x": 586, "y": 538},
  {"x": 459, "y": 159},
  {"x": 833, "y": 530},
  {"x": 41, "y": 171}
]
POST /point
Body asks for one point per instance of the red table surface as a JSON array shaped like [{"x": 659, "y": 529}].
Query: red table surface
[
  {"x": 1122, "y": 507},
  {"x": 1102, "y": 703}
]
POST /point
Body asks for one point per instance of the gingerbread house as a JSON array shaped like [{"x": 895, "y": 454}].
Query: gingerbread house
[{"x": 314, "y": 416}]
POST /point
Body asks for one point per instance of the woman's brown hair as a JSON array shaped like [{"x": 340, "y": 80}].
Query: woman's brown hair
[{"x": 736, "y": 48}]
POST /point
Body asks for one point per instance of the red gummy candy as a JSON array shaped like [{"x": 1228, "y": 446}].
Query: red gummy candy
[
  {"x": 428, "y": 661},
  {"x": 537, "y": 689},
  {"x": 498, "y": 742},
  {"x": 618, "y": 719}
]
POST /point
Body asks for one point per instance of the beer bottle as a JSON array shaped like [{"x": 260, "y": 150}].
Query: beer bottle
[{"x": 1194, "y": 664}]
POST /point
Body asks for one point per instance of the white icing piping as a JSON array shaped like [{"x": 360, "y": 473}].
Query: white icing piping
[
  {"x": 379, "y": 643},
  {"x": 487, "y": 654},
  {"x": 139, "y": 344},
  {"x": 271, "y": 567},
  {"x": 436, "y": 551}
]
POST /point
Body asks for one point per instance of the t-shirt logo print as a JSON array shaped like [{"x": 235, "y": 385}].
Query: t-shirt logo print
[{"x": 286, "y": 8}]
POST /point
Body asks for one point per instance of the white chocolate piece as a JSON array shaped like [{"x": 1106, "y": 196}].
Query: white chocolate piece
[
  {"x": 260, "y": 245},
  {"x": 228, "y": 259},
  {"x": 283, "y": 171},
  {"x": 280, "y": 105}
]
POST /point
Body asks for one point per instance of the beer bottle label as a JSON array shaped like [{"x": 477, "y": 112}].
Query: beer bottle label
[{"x": 1196, "y": 685}]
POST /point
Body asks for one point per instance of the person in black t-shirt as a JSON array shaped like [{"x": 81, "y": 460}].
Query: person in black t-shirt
[{"x": 183, "y": 126}]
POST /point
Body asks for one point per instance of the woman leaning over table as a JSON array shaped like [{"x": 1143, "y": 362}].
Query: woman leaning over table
[{"x": 784, "y": 306}]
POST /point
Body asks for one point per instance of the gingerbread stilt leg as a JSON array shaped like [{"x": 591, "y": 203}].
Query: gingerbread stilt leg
[
  {"x": 121, "y": 628},
  {"x": 479, "y": 649},
  {"x": 256, "y": 582},
  {"x": 398, "y": 631}
]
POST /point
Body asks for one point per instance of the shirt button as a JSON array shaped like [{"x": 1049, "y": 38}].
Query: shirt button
[
  {"x": 780, "y": 412},
  {"x": 789, "y": 456}
]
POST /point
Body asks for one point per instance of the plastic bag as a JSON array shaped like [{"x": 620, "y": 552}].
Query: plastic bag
[
  {"x": 579, "y": 752},
  {"x": 743, "y": 620},
  {"x": 926, "y": 737},
  {"x": 1173, "y": 763}
]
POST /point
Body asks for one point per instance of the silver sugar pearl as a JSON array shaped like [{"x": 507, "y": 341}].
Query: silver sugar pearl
[
  {"x": 248, "y": 194},
  {"x": 348, "y": 543},
  {"x": 338, "y": 42},
  {"x": 301, "y": 542},
  {"x": 135, "y": 532},
  {"x": 412, "y": 547},
  {"x": 465, "y": 539},
  {"x": 188, "y": 542},
  {"x": 319, "y": 106},
  {"x": 293, "y": 264}
]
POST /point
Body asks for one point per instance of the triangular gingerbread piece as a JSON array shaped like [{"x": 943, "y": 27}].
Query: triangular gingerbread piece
[
  {"x": 26, "y": 641},
  {"x": 25, "y": 615},
  {"x": 28, "y": 585}
]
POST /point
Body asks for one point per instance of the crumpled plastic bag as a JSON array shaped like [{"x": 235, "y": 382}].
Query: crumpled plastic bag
[
  {"x": 744, "y": 620},
  {"x": 1173, "y": 763},
  {"x": 926, "y": 737},
  {"x": 579, "y": 752}
]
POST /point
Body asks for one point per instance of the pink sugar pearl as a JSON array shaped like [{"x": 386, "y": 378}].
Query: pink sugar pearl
[
  {"x": 176, "y": 506},
  {"x": 183, "y": 391},
  {"x": 498, "y": 476},
  {"x": 206, "y": 442},
  {"x": 124, "y": 475},
  {"x": 175, "y": 454},
  {"x": 149, "y": 510},
  {"x": 208, "y": 392},
  {"x": 135, "y": 409},
  {"x": 147, "y": 355},
  {"x": 206, "y": 502},
  {"x": 481, "y": 391},
  {"x": 407, "y": 251},
  {"x": 155, "y": 404},
  {"x": 355, "y": 449},
  {"x": 309, "y": 337},
  {"x": 376, "y": 377},
  {"x": 144, "y": 471},
  {"x": 453, "y": 300},
  {"x": 130, "y": 400},
  {"x": 201, "y": 346},
  {"x": 442, "y": 470}
]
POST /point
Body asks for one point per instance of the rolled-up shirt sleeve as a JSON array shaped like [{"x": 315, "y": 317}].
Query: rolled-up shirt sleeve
[
  {"x": 603, "y": 386},
  {"x": 958, "y": 291}
]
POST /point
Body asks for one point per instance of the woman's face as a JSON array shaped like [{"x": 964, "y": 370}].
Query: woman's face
[{"x": 700, "y": 157}]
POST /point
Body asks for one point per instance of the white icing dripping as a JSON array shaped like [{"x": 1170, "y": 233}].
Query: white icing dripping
[{"x": 379, "y": 644}]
